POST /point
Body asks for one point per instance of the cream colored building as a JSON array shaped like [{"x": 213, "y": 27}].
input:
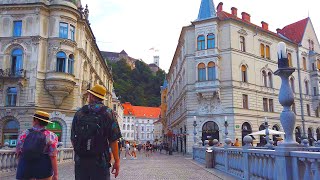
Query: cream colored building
[
  {"x": 223, "y": 68},
  {"x": 158, "y": 131},
  {"x": 118, "y": 108},
  {"x": 48, "y": 59}
]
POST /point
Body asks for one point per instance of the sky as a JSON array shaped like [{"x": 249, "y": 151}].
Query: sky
[{"x": 138, "y": 26}]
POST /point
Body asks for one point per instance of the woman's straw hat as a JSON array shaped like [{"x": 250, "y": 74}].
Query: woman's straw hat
[
  {"x": 98, "y": 91},
  {"x": 43, "y": 116}
]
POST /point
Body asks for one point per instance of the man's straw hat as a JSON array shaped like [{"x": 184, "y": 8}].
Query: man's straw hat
[{"x": 98, "y": 91}]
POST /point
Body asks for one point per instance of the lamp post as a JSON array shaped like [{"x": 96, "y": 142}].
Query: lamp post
[
  {"x": 227, "y": 140},
  {"x": 286, "y": 98},
  {"x": 194, "y": 130},
  {"x": 269, "y": 143}
]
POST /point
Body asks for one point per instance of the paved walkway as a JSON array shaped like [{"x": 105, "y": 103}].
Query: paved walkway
[{"x": 156, "y": 167}]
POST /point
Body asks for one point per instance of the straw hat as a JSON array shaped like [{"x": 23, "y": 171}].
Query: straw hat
[
  {"x": 43, "y": 116},
  {"x": 279, "y": 138},
  {"x": 98, "y": 91}
]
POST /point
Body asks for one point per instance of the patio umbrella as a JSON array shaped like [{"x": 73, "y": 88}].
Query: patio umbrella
[{"x": 263, "y": 132}]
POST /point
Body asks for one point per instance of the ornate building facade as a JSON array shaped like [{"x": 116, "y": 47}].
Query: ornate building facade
[
  {"x": 223, "y": 69},
  {"x": 48, "y": 59}
]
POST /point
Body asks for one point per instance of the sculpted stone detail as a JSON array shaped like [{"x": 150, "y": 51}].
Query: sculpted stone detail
[
  {"x": 209, "y": 102},
  {"x": 243, "y": 32}
]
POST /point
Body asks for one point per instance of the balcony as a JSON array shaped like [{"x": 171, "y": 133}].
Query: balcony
[
  {"x": 12, "y": 74},
  {"x": 59, "y": 85},
  {"x": 207, "y": 86}
]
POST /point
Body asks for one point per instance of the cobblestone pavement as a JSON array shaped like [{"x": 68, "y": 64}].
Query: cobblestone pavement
[{"x": 156, "y": 167}]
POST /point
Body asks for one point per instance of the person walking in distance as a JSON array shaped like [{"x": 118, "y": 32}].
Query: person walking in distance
[
  {"x": 134, "y": 150},
  {"x": 95, "y": 129},
  {"x": 127, "y": 146},
  {"x": 37, "y": 151}
]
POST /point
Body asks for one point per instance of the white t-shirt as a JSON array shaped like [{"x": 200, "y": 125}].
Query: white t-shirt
[{"x": 127, "y": 147}]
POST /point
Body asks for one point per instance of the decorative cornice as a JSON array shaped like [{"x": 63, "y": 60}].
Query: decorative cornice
[
  {"x": 265, "y": 41},
  {"x": 68, "y": 18},
  {"x": 243, "y": 32}
]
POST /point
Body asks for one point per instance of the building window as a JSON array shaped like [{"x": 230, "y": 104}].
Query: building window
[
  {"x": 11, "y": 99},
  {"x": 72, "y": 32},
  {"x": 242, "y": 44},
  {"x": 244, "y": 73},
  {"x": 56, "y": 128},
  {"x": 292, "y": 84},
  {"x": 271, "y": 109},
  {"x": 262, "y": 50},
  {"x": 270, "y": 79},
  {"x": 311, "y": 45},
  {"x": 17, "y": 28},
  {"x": 268, "y": 52},
  {"x": 318, "y": 64},
  {"x": 290, "y": 60},
  {"x": 142, "y": 128},
  {"x": 201, "y": 43},
  {"x": 264, "y": 78},
  {"x": 245, "y": 101},
  {"x": 265, "y": 104},
  {"x": 315, "y": 91},
  {"x": 201, "y": 72},
  {"x": 128, "y": 127},
  {"x": 10, "y": 132},
  {"x": 63, "y": 31},
  {"x": 294, "y": 108},
  {"x": 132, "y": 127},
  {"x": 306, "y": 85},
  {"x": 70, "y": 64},
  {"x": 211, "y": 71},
  {"x": 124, "y": 127},
  {"x": 317, "y": 113},
  {"x": 211, "y": 41},
  {"x": 61, "y": 62},
  {"x": 114, "y": 107},
  {"x": 308, "y": 110},
  {"x": 304, "y": 62},
  {"x": 16, "y": 62}
]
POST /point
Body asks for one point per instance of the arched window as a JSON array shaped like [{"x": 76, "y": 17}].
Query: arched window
[
  {"x": 132, "y": 127},
  {"x": 242, "y": 44},
  {"x": 290, "y": 60},
  {"x": 298, "y": 134},
  {"x": 310, "y": 136},
  {"x": 246, "y": 129},
  {"x": 128, "y": 127},
  {"x": 128, "y": 135},
  {"x": 262, "y": 137},
  {"x": 306, "y": 85},
  {"x": 201, "y": 43},
  {"x": 70, "y": 64},
  {"x": 264, "y": 78},
  {"x": 244, "y": 73},
  {"x": 61, "y": 62},
  {"x": 304, "y": 62},
  {"x": 10, "y": 132},
  {"x": 292, "y": 84},
  {"x": 267, "y": 52},
  {"x": 211, "y": 41},
  {"x": 211, "y": 71},
  {"x": 16, "y": 62},
  {"x": 262, "y": 50},
  {"x": 56, "y": 128},
  {"x": 210, "y": 130},
  {"x": 318, "y": 134},
  {"x": 270, "y": 79},
  {"x": 11, "y": 98},
  {"x": 274, "y": 137},
  {"x": 132, "y": 135},
  {"x": 201, "y": 72},
  {"x": 123, "y": 127}
]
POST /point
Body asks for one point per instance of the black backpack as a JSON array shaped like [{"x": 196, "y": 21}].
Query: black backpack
[
  {"x": 34, "y": 144},
  {"x": 89, "y": 136}
]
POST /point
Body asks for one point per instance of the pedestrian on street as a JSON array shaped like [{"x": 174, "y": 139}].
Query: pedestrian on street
[
  {"x": 237, "y": 143},
  {"x": 37, "y": 150},
  {"x": 127, "y": 146},
  {"x": 94, "y": 130},
  {"x": 134, "y": 150}
]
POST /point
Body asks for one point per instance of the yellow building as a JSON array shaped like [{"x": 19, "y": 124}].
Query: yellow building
[
  {"x": 48, "y": 59},
  {"x": 163, "y": 106}
]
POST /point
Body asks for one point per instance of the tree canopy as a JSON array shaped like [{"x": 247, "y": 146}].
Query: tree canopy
[{"x": 139, "y": 86}]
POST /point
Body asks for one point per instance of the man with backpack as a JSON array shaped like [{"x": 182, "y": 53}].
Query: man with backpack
[
  {"x": 94, "y": 130},
  {"x": 37, "y": 151}
]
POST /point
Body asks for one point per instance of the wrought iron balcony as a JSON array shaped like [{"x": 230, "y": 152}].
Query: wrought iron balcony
[{"x": 11, "y": 73}]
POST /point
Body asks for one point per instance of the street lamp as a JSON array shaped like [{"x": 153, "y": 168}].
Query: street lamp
[
  {"x": 194, "y": 130},
  {"x": 227, "y": 140}
]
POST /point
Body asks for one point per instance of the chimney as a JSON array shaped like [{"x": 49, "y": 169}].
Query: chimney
[
  {"x": 278, "y": 30},
  {"x": 245, "y": 16},
  {"x": 219, "y": 8},
  {"x": 234, "y": 11},
  {"x": 264, "y": 25}
]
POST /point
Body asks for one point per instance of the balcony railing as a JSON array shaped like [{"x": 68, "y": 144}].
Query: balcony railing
[{"x": 10, "y": 73}]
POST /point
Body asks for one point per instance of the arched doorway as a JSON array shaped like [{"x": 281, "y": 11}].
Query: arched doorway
[
  {"x": 10, "y": 132},
  {"x": 298, "y": 134},
  {"x": 210, "y": 130},
  {"x": 310, "y": 136},
  {"x": 274, "y": 137},
  {"x": 246, "y": 129},
  {"x": 56, "y": 128},
  {"x": 318, "y": 134},
  {"x": 262, "y": 137}
]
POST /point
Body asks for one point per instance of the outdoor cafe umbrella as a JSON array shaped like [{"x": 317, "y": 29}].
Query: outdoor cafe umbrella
[{"x": 263, "y": 132}]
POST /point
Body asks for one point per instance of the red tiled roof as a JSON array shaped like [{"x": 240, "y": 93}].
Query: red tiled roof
[
  {"x": 295, "y": 31},
  {"x": 141, "y": 111}
]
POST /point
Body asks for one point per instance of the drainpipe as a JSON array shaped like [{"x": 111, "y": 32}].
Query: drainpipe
[{"x": 304, "y": 136}]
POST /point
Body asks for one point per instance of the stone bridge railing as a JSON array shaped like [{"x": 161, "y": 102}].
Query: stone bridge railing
[
  {"x": 9, "y": 161},
  {"x": 246, "y": 163}
]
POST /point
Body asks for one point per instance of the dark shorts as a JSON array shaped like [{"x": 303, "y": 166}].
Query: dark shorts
[
  {"x": 91, "y": 169},
  {"x": 39, "y": 169}
]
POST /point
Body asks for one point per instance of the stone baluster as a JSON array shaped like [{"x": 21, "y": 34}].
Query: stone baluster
[
  {"x": 264, "y": 166},
  {"x": 307, "y": 171},
  {"x": 315, "y": 168}
]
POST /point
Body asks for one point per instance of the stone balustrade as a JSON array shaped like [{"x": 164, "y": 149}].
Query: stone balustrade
[
  {"x": 250, "y": 163},
  {"x": 9, "y": 161}
]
